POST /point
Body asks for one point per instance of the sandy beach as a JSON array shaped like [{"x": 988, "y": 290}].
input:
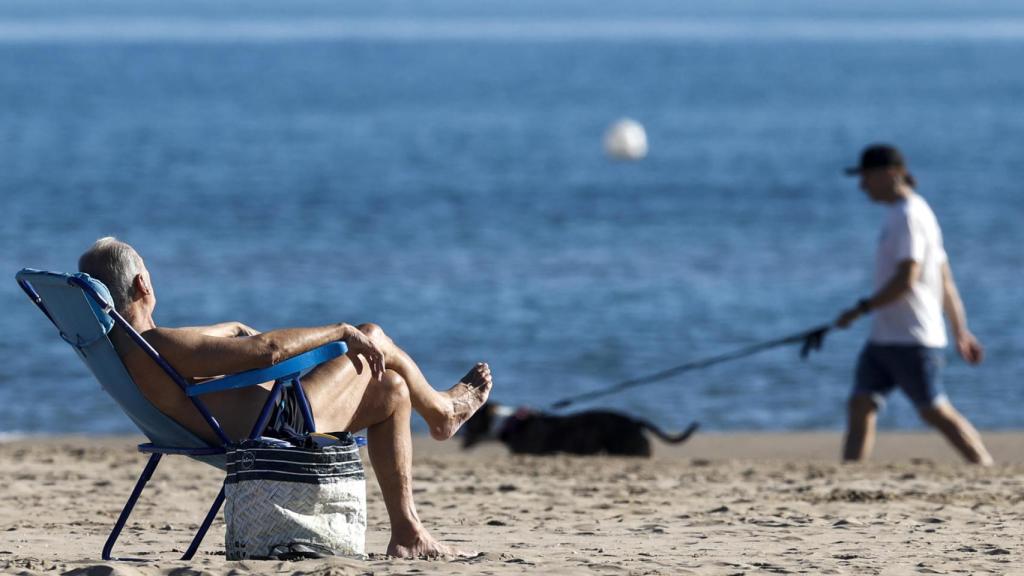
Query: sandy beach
[{"x": 721, "y": 504}]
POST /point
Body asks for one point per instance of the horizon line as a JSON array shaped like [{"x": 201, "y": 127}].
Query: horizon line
[{"x": 143, "y": 30}]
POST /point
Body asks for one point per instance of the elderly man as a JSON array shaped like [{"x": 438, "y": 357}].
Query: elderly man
[
  {"x": 913, "y": 286},
  {"x": 374, "y": 387}
]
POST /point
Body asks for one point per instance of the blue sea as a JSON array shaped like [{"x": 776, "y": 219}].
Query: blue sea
[{"x": 437, "y": 168}]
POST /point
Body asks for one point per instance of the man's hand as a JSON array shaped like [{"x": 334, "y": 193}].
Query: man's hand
[
  {"x": 360, "y": 344},
  {"x": 847, "y": 317},
  {"x": 969, "y": 348}
]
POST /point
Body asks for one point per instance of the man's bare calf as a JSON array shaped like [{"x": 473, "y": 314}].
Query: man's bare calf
[
  {"x": 445, "y": 412},
  {"x": 958, "y": 431},
  {"x": 384, "y": 411}
]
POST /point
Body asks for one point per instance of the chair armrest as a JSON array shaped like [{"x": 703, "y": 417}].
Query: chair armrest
[{"x": 282, "y": 370}]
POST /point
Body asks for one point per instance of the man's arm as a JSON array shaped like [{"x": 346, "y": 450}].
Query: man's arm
[
  {"x": 966, "y": 344},
  {"x": 195, "y": 354},
  {"x": 223, "y": 330},
  {"x": 900, "y": 283}
]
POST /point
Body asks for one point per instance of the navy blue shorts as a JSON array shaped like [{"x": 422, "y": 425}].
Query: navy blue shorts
[
  {"x": 917, "y": 370},
  {"x": 286, "y": 419}
]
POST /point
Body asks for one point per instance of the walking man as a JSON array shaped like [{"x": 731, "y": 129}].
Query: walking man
[{"x": 913, "y": 286}]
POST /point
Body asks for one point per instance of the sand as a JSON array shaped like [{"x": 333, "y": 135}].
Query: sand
[{"x": 721, "y": 504}]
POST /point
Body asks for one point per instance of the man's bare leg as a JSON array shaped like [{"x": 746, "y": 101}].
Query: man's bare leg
[
  {"x": 860, "y": 429},
  {"x": 445, "y": 412},
  {"x": 389, "y": 442},
  {"x": 343, "y": 398},
  {"x": 960, "y": 433}
]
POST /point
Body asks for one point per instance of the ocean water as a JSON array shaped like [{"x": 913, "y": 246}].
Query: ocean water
[{"x": 437, "y": 168}]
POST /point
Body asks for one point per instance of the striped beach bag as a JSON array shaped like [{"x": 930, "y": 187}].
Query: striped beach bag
[{"x": 286, "y": 501}]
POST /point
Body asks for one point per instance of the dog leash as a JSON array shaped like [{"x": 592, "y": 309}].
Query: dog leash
[{"x": 811, "y": 339}]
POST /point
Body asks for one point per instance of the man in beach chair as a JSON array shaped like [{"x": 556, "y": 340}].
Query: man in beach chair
[{"x": 375, "y": 386}]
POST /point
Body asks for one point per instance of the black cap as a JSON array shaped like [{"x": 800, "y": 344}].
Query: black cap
[{"x": 877, "y": 156}]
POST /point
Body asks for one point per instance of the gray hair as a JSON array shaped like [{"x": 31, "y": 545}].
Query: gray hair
[{"x": 116, "y": 264}]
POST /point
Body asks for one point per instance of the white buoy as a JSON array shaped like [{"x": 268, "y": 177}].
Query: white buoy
[{"x": 626, "y": 140}]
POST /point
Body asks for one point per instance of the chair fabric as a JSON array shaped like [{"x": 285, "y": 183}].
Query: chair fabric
[{"x": 86, "y": 326}]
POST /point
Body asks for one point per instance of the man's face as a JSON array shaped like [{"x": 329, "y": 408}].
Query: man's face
[{"x": 878, "y": 183}]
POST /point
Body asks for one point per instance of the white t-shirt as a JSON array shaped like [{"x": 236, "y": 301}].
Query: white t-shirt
[{"x": 911, "y": 232}]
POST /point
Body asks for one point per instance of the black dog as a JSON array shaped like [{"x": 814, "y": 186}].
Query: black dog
[{"x": 585, "y": 433}]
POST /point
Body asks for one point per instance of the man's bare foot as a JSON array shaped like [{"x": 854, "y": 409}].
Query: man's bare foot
[
  {"x": 461, "y": 401},
  {"x": 422, "y": 545}
]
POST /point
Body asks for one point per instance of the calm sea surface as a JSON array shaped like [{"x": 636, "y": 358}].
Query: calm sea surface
[{"x": 438, "y": 169}]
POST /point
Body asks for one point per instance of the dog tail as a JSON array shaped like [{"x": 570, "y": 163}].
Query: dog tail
[{"x": 672, "y": 438}]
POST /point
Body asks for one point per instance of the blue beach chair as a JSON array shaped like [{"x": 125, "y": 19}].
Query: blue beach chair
[{"x": 80, "y": 307}]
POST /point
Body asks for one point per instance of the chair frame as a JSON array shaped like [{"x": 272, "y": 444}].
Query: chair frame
[{"x": 283, "y": 374}]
